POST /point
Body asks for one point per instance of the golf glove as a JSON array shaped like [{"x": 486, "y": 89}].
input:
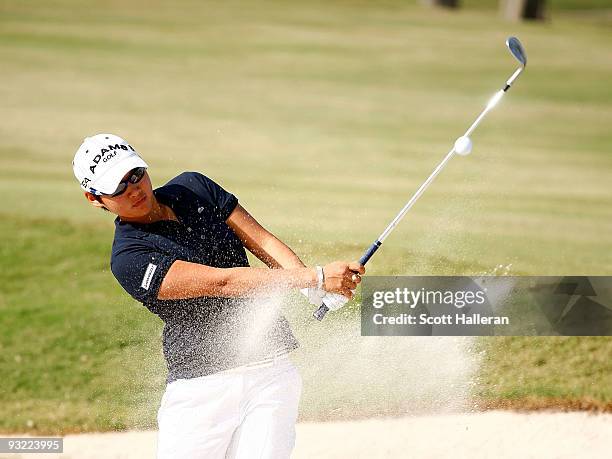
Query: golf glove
[
  {"x": 317, "y": 296},
  {"x": 334, "y": 301},
  {"x": 314, "y": 295}
]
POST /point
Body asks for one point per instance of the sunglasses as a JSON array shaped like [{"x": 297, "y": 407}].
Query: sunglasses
[{"x": 135, "y": 176}]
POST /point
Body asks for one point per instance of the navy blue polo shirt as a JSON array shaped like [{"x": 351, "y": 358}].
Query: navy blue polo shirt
[{"x": 201, "y": 335}]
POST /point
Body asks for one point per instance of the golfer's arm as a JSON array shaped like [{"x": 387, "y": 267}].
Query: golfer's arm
[
  {"x": 260, "y": 242},
  {"x": 192, "y": 280}
]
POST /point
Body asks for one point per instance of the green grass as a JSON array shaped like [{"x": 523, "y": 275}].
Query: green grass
[
  {"x": 323, "y": 118},
  {"x": 557, "y": 367},
  {"x": 68, "y": 332}
]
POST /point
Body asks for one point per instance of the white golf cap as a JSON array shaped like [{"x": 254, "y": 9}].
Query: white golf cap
[{"x": 102, "y": 161}]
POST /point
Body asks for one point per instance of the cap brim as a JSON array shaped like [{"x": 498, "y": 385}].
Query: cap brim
[{"x": 109, "y": 182}]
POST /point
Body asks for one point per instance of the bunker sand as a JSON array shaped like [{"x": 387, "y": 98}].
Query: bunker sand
[{"x": 487, "y": 434}]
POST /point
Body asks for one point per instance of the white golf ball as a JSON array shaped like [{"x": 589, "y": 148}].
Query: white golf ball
[{"x": 463, "y": 146}]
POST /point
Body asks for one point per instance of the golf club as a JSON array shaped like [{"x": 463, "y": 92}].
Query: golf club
[{"x": 462, "y": 146}]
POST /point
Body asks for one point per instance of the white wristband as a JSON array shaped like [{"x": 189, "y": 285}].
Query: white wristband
[{"x": 320, "y": 277}]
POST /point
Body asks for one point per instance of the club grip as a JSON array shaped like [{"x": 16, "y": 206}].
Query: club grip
[{"x": 368, "y": 253}]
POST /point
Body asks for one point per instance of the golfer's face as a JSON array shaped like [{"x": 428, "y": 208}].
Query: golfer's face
[{"x": 136, "y": 201}]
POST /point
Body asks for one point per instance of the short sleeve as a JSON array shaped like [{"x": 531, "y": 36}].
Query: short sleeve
[
  {"x": 140, "y": 269},
  {"x": 211, "y": 192}
]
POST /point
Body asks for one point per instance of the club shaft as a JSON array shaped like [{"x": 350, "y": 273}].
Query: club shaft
[
  {"x": 492, "y": 103},
  {"x": 415, "y": 197}
]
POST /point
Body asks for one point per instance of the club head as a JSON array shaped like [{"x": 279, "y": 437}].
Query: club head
[{"x": 517, "y": 50}]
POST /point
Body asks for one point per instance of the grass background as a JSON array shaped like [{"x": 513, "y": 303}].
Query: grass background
[{"x": 323, "y": 117}]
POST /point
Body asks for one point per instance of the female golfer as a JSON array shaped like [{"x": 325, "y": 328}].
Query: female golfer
[{"x": 180, "y": 251}]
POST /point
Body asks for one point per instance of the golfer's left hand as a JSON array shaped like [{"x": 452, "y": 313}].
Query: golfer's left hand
[
  {"x": 334, "y": 301},
  {"x": 314, "y": 295}
]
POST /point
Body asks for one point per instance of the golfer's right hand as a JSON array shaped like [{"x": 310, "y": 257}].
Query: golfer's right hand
[{"x": 342, "y": 277}]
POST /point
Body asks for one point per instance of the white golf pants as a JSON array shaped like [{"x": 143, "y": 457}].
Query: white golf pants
[{"x": 248, "y": 412}]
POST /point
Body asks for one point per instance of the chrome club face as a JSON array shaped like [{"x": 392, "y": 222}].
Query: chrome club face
[{"x": 517, "y": 50}]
